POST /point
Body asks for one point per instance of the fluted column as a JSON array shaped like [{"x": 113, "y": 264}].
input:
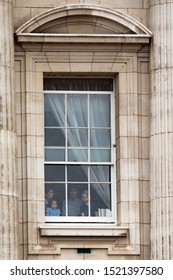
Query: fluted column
[
  {"x": 8, "y": 186},
  {"x": 161, "y": 152}
]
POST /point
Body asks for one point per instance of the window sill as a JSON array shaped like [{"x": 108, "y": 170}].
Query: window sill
[{"x": 63, "y": 230}]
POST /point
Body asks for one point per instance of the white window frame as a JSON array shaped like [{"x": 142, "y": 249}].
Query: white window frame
[{"x": 97, "y": 219}]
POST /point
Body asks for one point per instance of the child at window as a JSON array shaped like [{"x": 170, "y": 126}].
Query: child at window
[
  {"x": 53, "y": 210},
  {"x": 84, "y": 209},
  {"x": 84, "y": 206}
]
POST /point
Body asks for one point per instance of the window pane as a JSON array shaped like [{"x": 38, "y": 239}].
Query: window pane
[
  {"x": 100, "y": 110},
  {"x": 89, "y": 84},
  {"x": 54, "y": 154},
  {"x": 100, "y": 155},
  {"x": 77, "y": 155},
  {"x": 54, "y": 109},
  {"x": 54, "y": 172},
  {"x": 101, "y": 198},
  {"x": 54, "y": 137},
  {"x": 77, "y": 173},
  {"x": 77, "y": 137},
  {"x": 100, "y": 173},
  {"x": 100, "y": 138},
  {"x": 77, "y": 110},
  {"x": 54, "y": 191}
]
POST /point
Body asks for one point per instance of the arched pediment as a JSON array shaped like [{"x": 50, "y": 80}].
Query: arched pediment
[
  {"x": 81, "y": 22},
  {"x": 74, "y": 19}
]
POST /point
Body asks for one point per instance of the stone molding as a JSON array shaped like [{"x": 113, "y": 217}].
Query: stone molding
[
  {"x": 120, "y": 28},
  {"x": 37, "y": 64}
]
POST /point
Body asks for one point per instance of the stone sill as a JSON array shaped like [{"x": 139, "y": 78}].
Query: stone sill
[{"x": 63, "y": 230}]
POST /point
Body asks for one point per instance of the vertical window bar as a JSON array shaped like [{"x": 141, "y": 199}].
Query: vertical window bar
[
  {"x": 66, "y": 158},
  {"x": 66, "y": 192},
  {"x": 66, "y": 183},
  {"x": 113, "y": 141},
  {"x": 89, "y": 128},
  {"x": 89, "y": 193},
  {"x": 89, "y": 184}
]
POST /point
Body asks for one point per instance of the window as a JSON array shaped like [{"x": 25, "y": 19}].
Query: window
[{"x": 78, "y": 150}]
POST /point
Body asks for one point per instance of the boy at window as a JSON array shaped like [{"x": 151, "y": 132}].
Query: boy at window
[
  {"x": 84, "y": 207},
  {"x": 53, "y": 210}
]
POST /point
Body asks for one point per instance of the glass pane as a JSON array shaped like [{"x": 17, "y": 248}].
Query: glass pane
[
  {"x": 77, "y": 137},
  {"x": 73, "y": 203},
  {"x": 100, "y": 110},
  {"x": 54, "y": 172},
  {"x": 101, "y": 199},
  {"x": 77, "y": 155},
  {"x": 54, "y": 109},
  {"x": 57, "y": 193},
  {"x": 77, "y": 110},
  {"x": 100, "y": 138},
  {"x": 89, "y": 84},
  {"x": 54, "y": 137},
  {"x": 77, "y": 173},
  {"x": 100, "y": 173},
  {"x": 54, "y": 154},
  {"x": 98, "y": 155}
]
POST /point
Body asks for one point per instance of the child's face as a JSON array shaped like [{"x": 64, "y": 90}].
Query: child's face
[
  {"x": 54, "y": 204},
  {"x": 85, "y": 198}
]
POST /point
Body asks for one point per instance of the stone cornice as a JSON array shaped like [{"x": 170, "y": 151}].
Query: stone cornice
[{"x": 119, "y": 28}]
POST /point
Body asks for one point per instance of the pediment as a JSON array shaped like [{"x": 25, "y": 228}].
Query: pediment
[{"x": 81, "y": 22}]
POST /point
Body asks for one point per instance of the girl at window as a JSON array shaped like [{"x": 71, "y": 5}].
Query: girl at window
[{"x": 53, "y": 210}]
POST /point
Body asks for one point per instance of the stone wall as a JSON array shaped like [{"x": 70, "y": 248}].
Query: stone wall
[
  {"x": 8, "y": 166},
  {"x": 25, "y": 10},
  {"x": 161, "y": 182},
  {"x": 128, "y": 64}
]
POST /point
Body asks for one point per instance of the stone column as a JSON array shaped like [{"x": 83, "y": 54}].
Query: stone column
[
  {"x": 8, "y": 186},
  {"x": 161, "y": 149}
]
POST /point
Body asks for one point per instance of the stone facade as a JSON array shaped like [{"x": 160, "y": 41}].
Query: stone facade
[{"x": 129, "y": 41}]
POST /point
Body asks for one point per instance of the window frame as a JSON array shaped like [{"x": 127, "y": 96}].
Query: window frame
[{"x": 89, "y": 219}]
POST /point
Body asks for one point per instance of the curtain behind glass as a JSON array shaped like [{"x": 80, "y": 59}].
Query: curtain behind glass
[
  {"x": 80, "y": 84},
  {"x": 77, "y": 117}
]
